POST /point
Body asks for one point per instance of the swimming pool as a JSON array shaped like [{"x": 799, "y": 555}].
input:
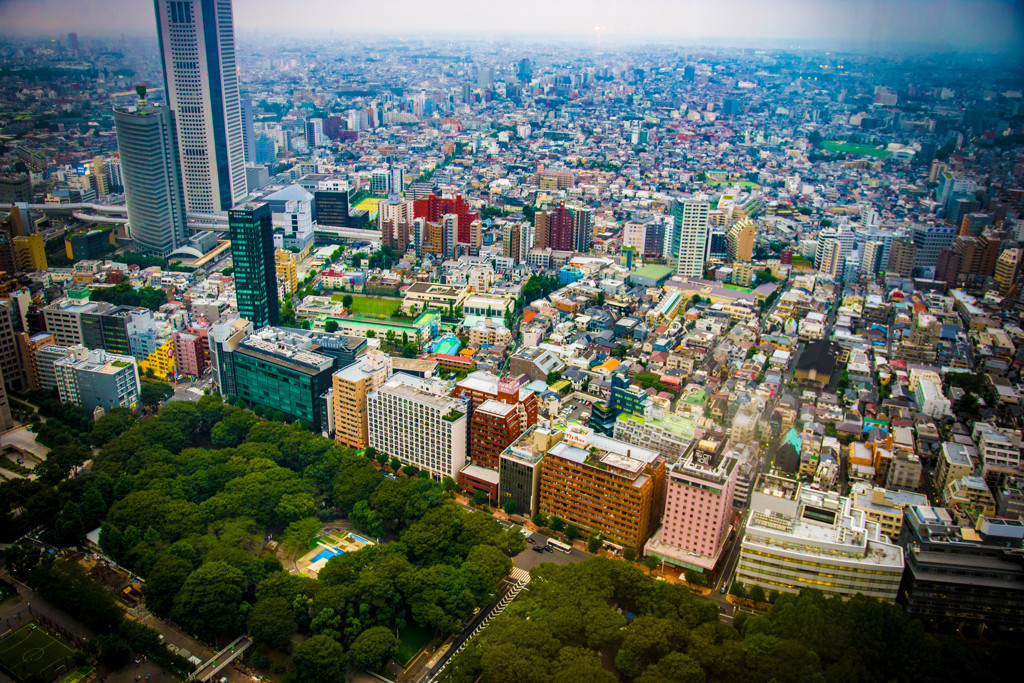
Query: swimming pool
[
  {"x": 358, "y": 539},
  {"x": 448, "y": 346},
  {"x": 327, "y": 553}
]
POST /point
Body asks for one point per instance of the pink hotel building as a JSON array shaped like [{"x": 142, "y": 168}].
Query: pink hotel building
[{"x": 698, "y": 506}]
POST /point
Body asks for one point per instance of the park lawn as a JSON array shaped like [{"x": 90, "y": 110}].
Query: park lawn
[
  {"x": 854, "y": 148},
  {"x": 411, "y": 640},
  {"x": 371, "y": 306}
]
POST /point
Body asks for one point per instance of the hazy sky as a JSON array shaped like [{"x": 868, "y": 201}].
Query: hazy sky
[{"x": 986, "y": 25}]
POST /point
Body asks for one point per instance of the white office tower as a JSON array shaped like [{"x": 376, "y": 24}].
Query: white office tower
[
  {"x": 397, "y": 179},
  {"x": 149, "y": 172},
  {"x": 690, "y": 237},
  {"x": 314, "y": 133},
  {"x": 355, "y": 120},
  {"x": 197, "y": 50},
  {"x": 293, "y": 228}
]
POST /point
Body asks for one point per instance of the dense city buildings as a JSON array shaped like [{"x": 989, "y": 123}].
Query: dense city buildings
[{"x": 750, "y": 317}]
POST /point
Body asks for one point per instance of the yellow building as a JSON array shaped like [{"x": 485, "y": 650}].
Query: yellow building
[
  {"x": 351, "y": 385},
  {"x": 1006, "y": 270},
  {"x": 740, "y": 240},
  {"x": 28, "y": 346},
  {"x": 287, "y": 266},
  {"x": 99, "y": 172},
  {"x": 742, "y": 274},
  {"x": 30, "y": 252},
  {"x": 161, "y": 361}
]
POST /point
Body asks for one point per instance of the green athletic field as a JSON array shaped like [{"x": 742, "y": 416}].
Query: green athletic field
[
  {"x": 32, "y": 653},
  {"x": 371, "y": 306},
  {"x": 853, "y": 148}
]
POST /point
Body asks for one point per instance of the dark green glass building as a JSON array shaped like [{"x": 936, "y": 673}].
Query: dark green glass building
[
  {"x": 283, "y": 371},
  {"x": 252, "y": 255}
]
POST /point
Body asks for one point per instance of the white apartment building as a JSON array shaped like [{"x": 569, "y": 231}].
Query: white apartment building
[
  {"x": 97, "y": 379},
  {"x": 1000, "y": 451},
  {"x": 691, "y": 236},
  {"x": 418, "y": 422},
  {"x": 803, "y": 538}
]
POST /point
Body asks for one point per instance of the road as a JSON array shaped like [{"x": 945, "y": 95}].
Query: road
[
  {"x": 183, "y": 391},
  {"x": 510, "y": 589}
]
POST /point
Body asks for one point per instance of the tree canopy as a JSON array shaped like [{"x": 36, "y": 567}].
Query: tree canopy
[{"x": 570, "y": 627}]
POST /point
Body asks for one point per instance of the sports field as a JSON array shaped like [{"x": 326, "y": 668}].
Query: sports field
[
  {"x": 370, "y": 306},
  {"x": 31, "y": 653},
  {"x": 853, "y": 148},
  {"x": 370, "y": 205}
]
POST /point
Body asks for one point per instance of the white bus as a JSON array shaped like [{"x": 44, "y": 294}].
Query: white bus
[{"x": 558, "y": 545}]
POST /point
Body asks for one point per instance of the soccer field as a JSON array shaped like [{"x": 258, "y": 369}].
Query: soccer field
[
  {"x": 370, "y": 306},
  {"x": 30, "y": 652},
  {"x": 854, "y": 148}
]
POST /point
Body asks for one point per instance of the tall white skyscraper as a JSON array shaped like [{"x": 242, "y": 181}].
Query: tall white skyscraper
[
  {"x": 197, "y": 50},
  {"x": 691, "y": 235}
]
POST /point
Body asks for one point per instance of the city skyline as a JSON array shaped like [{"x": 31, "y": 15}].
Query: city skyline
[{"x": 988, "y": 26}]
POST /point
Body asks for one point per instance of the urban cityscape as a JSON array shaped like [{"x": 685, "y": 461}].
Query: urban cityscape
[{"x": 572, "y": 345}]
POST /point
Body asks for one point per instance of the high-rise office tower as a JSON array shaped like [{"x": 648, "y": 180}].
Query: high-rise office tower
[
  {"x": 197, "y": 49},
  {"x": 151, "y": 177},
  {"x": 248, "y": 133},
  {"x": 690, "y": 236},
  {"x": 252, "y": 254},
  {"x": 314, "y": 133}
]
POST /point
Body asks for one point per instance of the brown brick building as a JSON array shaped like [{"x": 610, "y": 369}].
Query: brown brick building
[{"x": 603, "y": 485}]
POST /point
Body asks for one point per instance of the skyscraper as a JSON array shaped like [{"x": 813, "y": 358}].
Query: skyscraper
[
  {"x": 690, "y": 237},
  {"x": 151, "y": 177},
  {"x": 582, "y": 229},
  {"x": 560, "y": 235},
  {"x": 248, "y": 133},
  {"x": 314, "y": 133},
  {"x": 252, "y": 254},
  {"x": 197, "y": 49}
]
